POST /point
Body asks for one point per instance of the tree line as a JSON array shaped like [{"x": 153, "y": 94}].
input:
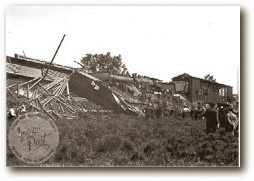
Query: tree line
[{"x": 113, "y": 65}]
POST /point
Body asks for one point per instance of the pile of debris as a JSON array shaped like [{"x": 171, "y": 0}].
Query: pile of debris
[
  {"x": 95, "y": 90},
  {"x": 52, "y": 98}
]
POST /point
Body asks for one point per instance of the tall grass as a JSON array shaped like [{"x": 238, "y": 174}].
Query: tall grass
[{"x": 122, "y": 140}]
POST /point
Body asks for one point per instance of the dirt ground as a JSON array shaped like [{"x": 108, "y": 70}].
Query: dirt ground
[{"x": 122, "y": 140}]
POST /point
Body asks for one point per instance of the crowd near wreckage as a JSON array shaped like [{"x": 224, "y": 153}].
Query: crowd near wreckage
[
  {"x": 66, "y": 92},
  {"x": 59, "y": 91},
  {"x": 50, "y": 90},
  {"x": 85, "y": 105}
]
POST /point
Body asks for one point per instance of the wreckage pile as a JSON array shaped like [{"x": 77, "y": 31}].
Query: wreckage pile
[
  {"x": 55, "y": 99},
  {"x": 63, "y": 90},
  {"x": 50, "y": 98},
  {"x": 97, "y": 91}
]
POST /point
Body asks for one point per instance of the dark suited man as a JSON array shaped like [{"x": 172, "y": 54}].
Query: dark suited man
[{"x": 211, "y": 116}]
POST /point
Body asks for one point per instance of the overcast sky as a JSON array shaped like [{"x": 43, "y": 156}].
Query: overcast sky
[{"x": 157, "y": 41}]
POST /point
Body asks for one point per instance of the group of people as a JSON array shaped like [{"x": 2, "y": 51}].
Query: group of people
[
  {"x": 220, "y": 115},
  {"x": 16, "y": 110},
  {"x": 216, "y": 115}
]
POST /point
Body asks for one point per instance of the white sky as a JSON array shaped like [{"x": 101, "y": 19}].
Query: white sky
[{"x": 157, "y": 41}]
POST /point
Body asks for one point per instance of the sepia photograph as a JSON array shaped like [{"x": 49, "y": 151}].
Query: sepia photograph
[{"x": 122, "y": 86}]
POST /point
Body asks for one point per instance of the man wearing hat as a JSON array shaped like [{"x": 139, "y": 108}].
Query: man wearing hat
[{"x": 211, "y": 116}]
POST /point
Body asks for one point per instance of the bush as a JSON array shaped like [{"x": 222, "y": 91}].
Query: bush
[{"x": 121, "y": 140}]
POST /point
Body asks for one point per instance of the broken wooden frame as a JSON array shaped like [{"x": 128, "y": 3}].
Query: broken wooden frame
[{"x": 49, "y": 98}]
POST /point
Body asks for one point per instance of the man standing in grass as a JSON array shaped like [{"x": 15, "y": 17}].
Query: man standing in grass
[
  {"x": 211, "y": 116},
  {"x": 232, "y": 120}
]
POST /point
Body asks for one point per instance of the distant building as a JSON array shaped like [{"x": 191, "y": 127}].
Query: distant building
[
  {"x": 201, "y": 90},
  {"x": 168, "y": 86}
]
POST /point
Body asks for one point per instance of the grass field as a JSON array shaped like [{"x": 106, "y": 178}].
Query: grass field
[{"x": 121, "y": 140}]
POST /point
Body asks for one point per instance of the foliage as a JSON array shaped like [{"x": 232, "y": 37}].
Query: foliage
[
  {"x": 121, "y": 140},
  {"x": 101, "y": 62},
  {"x": 210, "y": 78}
]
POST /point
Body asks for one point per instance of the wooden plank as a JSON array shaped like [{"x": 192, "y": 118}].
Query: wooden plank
[
  {"x": 67, "y": 106},
  {"x": 18, "y": 88},
  {"x": 23, "y": 83},
  {"x": 39, "y": 102},
  {"x": 66, "y": 115},
  {"x": 52, "y": 117},
  {"x": 61, "y": 88},
  {"x": 29, "y": 81},
  {"x": 68, "y": 90},
  {"x": 12, "y": 94},
  {"x": 44, "y": 88},
  {"x": 47, "y": 100},
  {"x": 55, "y": 111},
  {"x": 36, "y": 83},
  {"x": 57, "y": 89},
  {"x": 65, "y": 85},
  {"x": 45, "y": 110},
  {"x": 52, "y": 107},
  {"x": 52, "y": 84},
  {"x": 27, "y": 89},
  {"x": 57, "y": 114},
  {"x": 61, "y": 107}
]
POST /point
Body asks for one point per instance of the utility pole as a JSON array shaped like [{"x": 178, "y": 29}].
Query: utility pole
[{"x": 53, "y": 58}]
